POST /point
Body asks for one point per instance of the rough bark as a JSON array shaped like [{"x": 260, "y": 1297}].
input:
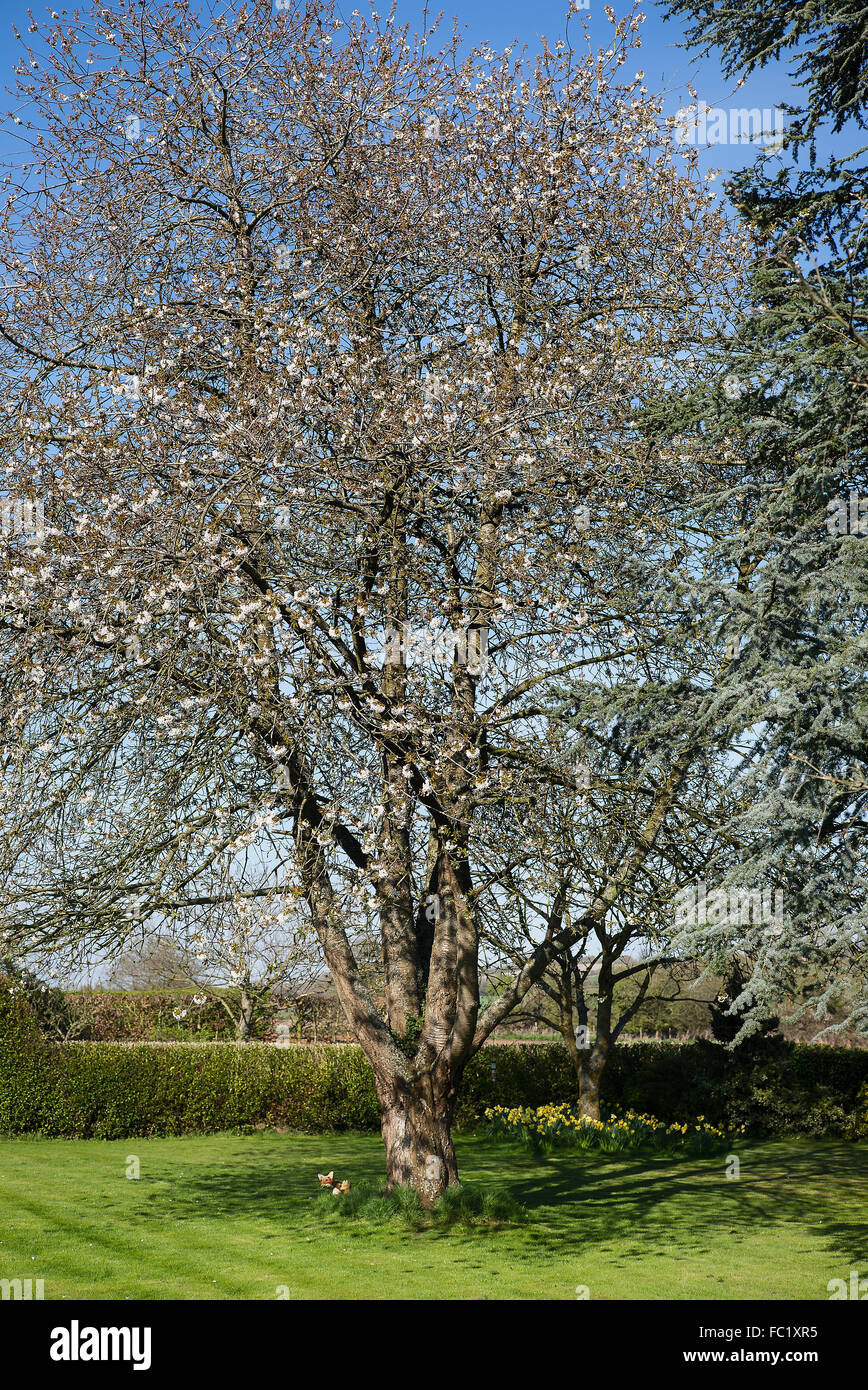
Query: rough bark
[
  {"x": 593, "y": 1060},
  {"x": 592, "y": 1063},
  {"x": 417, "y": 1134}
]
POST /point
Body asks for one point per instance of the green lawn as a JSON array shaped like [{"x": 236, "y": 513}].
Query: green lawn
[{"x": 229, "y": 1217}]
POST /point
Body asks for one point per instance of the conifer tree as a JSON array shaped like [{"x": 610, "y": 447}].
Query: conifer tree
[{"x": 788, "y": 419}]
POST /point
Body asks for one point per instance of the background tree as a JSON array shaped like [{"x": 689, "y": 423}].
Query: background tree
[
  {"x": 727, "y": 1011},
  {"x": 789, "y": 413},
  {"x": 157, "y": 963},
  {"x": 645, "y": 822},
  {"x": 247, "y": 950},
  {"x": 315, "y": 370}
]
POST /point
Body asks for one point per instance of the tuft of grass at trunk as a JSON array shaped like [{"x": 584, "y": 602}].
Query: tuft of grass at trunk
[{"x": 459, "y": 1206}]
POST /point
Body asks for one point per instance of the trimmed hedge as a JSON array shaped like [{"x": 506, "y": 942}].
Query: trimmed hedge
[
  {"x": 27, "y": 1076},
  {"x": 859, "y": 1127},
  {"x": 774, "y": 1087},
  {"x": 115, "y": 1091}
]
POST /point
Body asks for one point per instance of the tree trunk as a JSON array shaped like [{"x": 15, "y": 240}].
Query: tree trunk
[
  {"x": 418, "y": 1051},
  {"x": 591, "y": 1065},
  {"x": 588, "y": 1062},
  {"x": 244, "y": 1021},
  {"x": 593, "y": 1061},
  {"x": 417, "y": 1133}
]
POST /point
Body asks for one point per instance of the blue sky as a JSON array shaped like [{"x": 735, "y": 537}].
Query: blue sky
[{"x": 668, "y": 68}]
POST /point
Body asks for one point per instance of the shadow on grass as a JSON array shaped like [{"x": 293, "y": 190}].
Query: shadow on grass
[
  {"x": 640, "y": 1196},
  {"x": 572, "y": 1199}
]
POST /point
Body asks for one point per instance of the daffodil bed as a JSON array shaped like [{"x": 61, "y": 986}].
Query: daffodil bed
[{"x": 562, "y": 1124}]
